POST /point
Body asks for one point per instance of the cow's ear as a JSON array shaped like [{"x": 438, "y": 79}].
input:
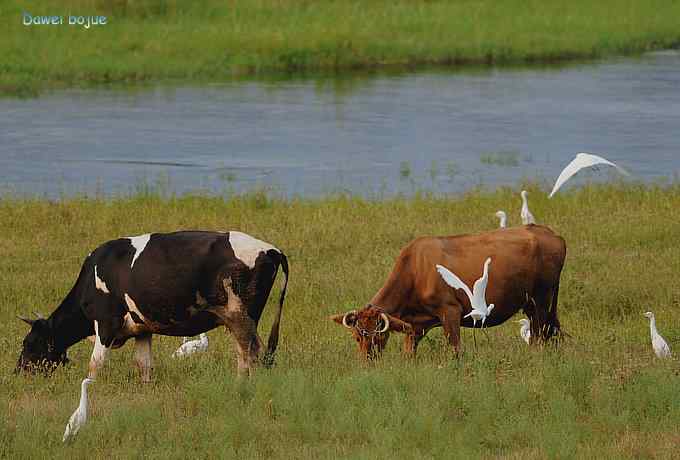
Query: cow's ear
[
  {"x": 398, "y": 325},
  {"x": 26, "y": 320},
  {"x": 40, "y": 325},
  {"x": 345, "y": 319}
]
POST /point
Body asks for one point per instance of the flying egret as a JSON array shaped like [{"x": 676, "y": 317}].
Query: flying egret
[
  {"x": 525, "y": 330},
  {"x": 582, "y": 160},
  {"x": 660, "y": 346},
  {"x": 192, "y": 346},
  {"x": 527, "y": 217},
  {"x": 79, "y": 417},
  {"x": 503, "y": 218},
  {"x": 477, "y": 297}
]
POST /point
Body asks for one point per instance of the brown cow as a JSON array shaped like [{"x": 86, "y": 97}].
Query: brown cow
[{"x": 524, "y": 274}]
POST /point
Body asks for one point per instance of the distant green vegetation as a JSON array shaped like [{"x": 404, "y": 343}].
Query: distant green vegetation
[
  {"x": 505, "y": 158},
  {"x": 601, "y": 394},
  {"x": 221, "y": 39}
]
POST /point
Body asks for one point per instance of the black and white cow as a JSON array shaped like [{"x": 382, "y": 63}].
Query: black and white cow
[{"x": 177, "y": 284}]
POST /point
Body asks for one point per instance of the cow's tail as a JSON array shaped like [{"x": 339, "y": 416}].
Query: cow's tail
[{"x": 273, "y": 342}]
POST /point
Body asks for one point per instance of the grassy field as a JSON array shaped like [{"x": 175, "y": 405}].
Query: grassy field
[
  {"x": 601, "y": 394},
  {"x": 218, "y": 39}
]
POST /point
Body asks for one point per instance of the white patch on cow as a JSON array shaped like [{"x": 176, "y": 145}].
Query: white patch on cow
[
  {"x": 133, "y": 307},
  {"x": 234, "y": 302},
  {"x": 99, "y": 283},
  {"x": 246, "y": 248},
  {"x": 139, "y": 243}
]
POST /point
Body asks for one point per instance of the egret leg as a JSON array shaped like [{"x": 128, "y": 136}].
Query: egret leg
[
  {"x": 486, "y": 334},
  {"x": 474, "y": 338},
  {"x": 485, "y": 331}
]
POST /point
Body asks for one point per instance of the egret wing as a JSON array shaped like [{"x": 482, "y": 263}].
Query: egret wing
[
  {"x": 67, "y": 433},
  {"x": 71, "y": 427},
  {"x": 475, "y": 313},
  {"x": 598, "y": 160},
  {"x": 661, "y": 347},
  {"x": 582, "y": 160},
  {"x": 452, "y": 280}
]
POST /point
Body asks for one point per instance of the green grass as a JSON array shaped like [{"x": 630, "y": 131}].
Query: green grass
[
  {"x": 220, "y": 39},
  {"x": 601, "y": 394}
]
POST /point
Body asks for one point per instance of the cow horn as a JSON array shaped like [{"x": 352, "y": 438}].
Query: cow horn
[
  {"x": 26, "y": 320},
  {"x": 386, "y": 320},
  {"x": 344, "y": 318},
  {"x": 38, "y": 315}
]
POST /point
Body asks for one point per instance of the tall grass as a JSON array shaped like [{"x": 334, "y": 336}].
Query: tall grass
[
  {"x": 214, "y": 39},
  {"x": 601, "y": 394}
]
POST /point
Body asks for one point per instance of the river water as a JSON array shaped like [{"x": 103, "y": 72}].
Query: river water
[{"x": 371, "y": 135}]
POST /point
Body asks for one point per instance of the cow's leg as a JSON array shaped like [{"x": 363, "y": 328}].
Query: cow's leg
[
  {"x": 553, "y": 320},
  {"x": 143, "y": 358},
  {"x": 411, "y": 343},
  {"x": 412, "y": 340},
  {"x": 530, "y": 310},
  {"x": 248, "y": 344},
  {"x": 449, "y": 316},
  {"x": 102, "y": 348},
  {"x": 539, "y": 323},
  {"x": 100, "y": 352}
]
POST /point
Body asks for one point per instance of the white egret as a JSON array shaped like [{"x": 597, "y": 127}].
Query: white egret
[
  {"x": 79, "y": 417},
  {"x": 527, "y": 217},
  {"x": 582, "y": 160},
  {"x": 503, "y": 218},
  {"x": 192, "y": 346},
  {"x": 660, "y": 346},
  {"x": 480, "y": 310},
  {"x": 525, "y": 330}
]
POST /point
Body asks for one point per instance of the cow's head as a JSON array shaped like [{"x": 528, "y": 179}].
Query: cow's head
[
  {"x": 371, "y": 328},
  {"x": 38, "y": 350}
]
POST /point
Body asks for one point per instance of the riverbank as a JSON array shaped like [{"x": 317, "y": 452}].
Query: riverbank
[
  {"x": 214, "y": 41},
  {"x": 601, "y": 393}
]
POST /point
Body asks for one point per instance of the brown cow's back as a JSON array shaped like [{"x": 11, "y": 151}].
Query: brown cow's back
[{"x": 525, "y": 262}]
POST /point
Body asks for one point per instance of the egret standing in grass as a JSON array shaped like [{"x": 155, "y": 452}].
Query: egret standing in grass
[
  {"x": 660, "y": 346},
  {"x": 192, "y": 346},
  {"x": 480, "y": 310},
  {"x": 79, "y": 417},
  {"x": 503, "y": 219},
  {"x": 525, "y": 330},
  {"x": 527, "y": 217},
  {"x": 582, "y": 160}
]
